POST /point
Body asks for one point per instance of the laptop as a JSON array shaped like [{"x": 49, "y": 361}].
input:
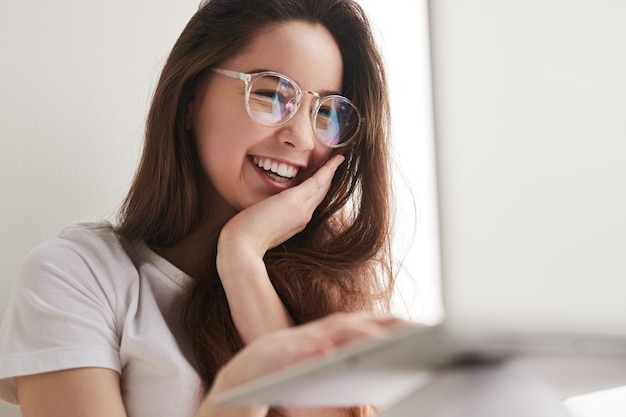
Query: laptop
[{"x": 529, "y": 102}]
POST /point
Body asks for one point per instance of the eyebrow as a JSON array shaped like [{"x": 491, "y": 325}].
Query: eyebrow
[{"x": 322, "y": 93}]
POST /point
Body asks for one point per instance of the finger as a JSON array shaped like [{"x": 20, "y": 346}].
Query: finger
[
  {"x": 312, "y": 191},
  {"x": 324, "y": 175},
  {"x": 342, "y": 329},
  {"x": 318, "y": 338},
  {"x": 301, "y": 201}
]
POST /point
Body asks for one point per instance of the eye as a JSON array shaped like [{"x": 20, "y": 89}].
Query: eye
[
  {"x": 264, "y": 100},
  {"x": 266, "y": 94},
  {"x": 327, "y": 112}
]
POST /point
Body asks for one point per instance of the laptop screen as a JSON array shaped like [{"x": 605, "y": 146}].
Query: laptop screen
[{"x": 530, "y": 128}]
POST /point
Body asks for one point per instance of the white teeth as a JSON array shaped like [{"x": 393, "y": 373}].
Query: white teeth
[
  {"x": 282, "y": 170},
  {"x": 278, "y": 168}
]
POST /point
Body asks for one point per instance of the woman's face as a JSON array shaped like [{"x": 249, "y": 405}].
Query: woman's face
[{"x": 235, "y": 150}]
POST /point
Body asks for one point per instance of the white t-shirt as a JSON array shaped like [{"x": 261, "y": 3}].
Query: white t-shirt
[{"x": 85, "y": 299}]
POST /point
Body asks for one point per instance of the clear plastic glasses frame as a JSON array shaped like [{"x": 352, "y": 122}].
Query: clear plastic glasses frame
[{"x": 335, "y": 119}]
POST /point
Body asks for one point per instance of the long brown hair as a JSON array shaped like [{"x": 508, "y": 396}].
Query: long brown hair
[{"x": 341, "y": 261}]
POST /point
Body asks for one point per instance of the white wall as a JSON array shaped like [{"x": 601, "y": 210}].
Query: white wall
[
  {"x": 76, "y": 78},
  {"x": 75, "y": 84},
  {"x": 402, "y": 32}
]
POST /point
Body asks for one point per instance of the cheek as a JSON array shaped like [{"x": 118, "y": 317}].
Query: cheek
[
  {"x": 216, "y": 126},
  {"x": 319, "y": 156},
  {"x": 223, "y": 143}
]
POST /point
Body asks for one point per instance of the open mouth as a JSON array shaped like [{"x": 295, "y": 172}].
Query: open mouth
[{"x": 278, "y": 171}]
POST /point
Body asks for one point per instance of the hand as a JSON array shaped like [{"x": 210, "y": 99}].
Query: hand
[
  {"x": 272, "y": 221},
  {"x": 289, "y": 346},
  {"x": 255, "y": 306}
]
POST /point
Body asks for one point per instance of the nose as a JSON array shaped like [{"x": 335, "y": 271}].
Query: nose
[{"x": 298, "y": 131}]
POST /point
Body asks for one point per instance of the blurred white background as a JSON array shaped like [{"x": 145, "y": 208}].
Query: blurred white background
[
  {"x": 76, "y": 80},
  {"x": 402, "y": 27}
]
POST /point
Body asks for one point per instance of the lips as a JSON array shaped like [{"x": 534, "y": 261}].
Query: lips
[{"x": 280, "y": 169}]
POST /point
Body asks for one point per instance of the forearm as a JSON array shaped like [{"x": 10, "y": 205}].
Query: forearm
[
  {"x": 208, "y": 408},
  {"x": 257, "y": 310},
  {"x": 254, "y": 304},
  {"x": 316, "y": 412}
]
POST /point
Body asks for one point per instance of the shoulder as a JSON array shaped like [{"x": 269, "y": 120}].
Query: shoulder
[
  {"x": 80, "y": 251},
  {"x": 90, "y": 240},
  {"x": 85, "y": 263},
  {"x": 66, "y": 308}
]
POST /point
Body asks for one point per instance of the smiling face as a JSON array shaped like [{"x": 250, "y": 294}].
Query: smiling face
[{"x": 245, "y": 161}]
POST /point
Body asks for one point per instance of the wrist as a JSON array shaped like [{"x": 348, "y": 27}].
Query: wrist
[
  {"x": 238, "y": 260},
  {"x": 233, "y": 239}
]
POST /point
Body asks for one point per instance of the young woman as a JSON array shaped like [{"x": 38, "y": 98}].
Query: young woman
[{"x": 261, "y": 202}]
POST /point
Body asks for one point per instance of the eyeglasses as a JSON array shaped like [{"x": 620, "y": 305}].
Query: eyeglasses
[{"x": 273, "y": 99}]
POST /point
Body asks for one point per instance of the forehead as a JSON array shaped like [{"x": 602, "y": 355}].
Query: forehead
[{"x": 305, "y": 52}]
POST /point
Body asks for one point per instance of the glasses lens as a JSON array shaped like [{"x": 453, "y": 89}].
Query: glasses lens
[
  {"x": 336, "y": 121},
  {"x": 272, "y": 99}
]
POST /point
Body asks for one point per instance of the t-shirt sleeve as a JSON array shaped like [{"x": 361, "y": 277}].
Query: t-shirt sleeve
[{"x": 61, "y": 315}]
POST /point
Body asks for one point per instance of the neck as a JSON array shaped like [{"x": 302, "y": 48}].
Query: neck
[{"x": 191, "y": 254}]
